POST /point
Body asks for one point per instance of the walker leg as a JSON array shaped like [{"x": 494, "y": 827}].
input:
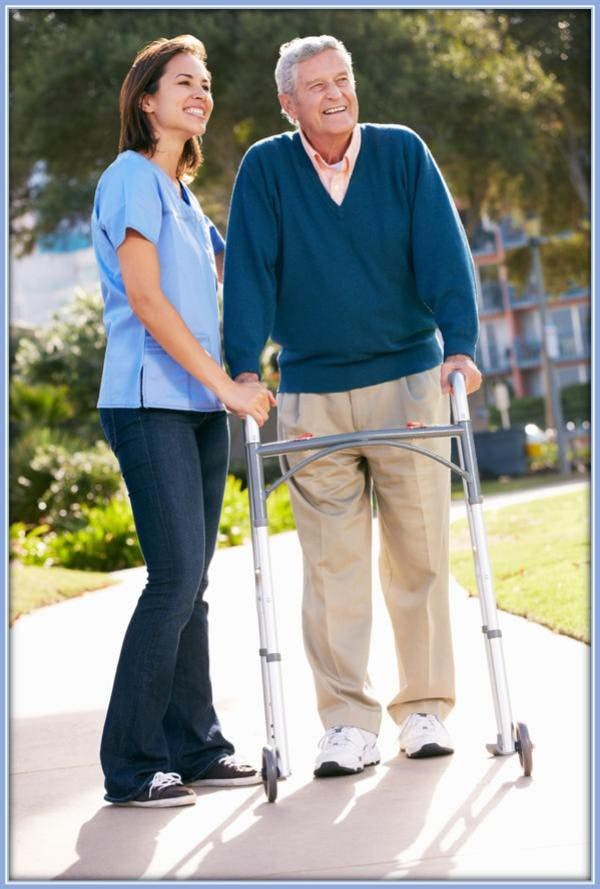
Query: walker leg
[
  {"x": 506, "y": 742},
  {"x": 275, "y": 754}
]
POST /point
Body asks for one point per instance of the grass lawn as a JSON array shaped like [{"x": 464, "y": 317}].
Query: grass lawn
[
  {"x": 32, "y": 586},
  {"x": 506, "y": 484},
  {"x": 540, "y": 557}
]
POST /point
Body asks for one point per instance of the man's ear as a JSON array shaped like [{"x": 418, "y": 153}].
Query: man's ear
[{"x": 287, "y": 104}]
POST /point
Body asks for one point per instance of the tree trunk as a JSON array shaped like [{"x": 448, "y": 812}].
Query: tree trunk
[{"x": 573, "y": 150}]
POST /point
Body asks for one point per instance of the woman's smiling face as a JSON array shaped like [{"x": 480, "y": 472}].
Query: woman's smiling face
[{"x": 183, "y": 102}]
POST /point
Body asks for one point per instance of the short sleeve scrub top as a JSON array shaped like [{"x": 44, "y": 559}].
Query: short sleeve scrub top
[{"x": 135, "y": 193}]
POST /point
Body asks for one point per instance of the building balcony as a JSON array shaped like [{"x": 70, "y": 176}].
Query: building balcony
[
  {"x": 490, "y": 298},
  {"x": 512, "y": 235},
  {"x": 523, "y": 301},
  {"x": 528, "y": 353},
  {"x": 575, "y": 292},
  {"x": 484, "y": 242},
  {"x": 495, "y": 368},
  {"x": 495, "y": 364},
  {"x": 568, "y": 350}
]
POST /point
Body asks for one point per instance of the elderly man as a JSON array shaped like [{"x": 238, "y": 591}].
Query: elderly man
[{"x": 347, "y": 249}]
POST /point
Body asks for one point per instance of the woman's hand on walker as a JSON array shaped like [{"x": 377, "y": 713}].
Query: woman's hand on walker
[{"x": 249, "y": 398}]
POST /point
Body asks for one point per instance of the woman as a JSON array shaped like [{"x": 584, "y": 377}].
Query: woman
[{"x": 162, "y": 406}]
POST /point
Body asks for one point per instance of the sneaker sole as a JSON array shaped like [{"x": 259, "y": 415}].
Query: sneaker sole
[
  {"x": 226, "y": 782},
  {"x": 430, "y": 750},
  {"x": 161, "y": 803},
  {"x": 335, "y": 770}
]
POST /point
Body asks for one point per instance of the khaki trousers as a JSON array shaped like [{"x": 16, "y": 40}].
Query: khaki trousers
[{"x": 332, "y": 500}]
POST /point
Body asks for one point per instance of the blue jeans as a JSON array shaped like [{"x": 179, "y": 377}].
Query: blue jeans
[{"x": 161, "y": 716}]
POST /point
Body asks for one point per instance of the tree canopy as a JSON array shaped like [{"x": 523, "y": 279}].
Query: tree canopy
[{"x": 501, "y": 97}]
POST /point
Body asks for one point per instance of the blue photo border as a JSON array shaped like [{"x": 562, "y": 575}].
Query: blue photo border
[{"x": 6, "y": 7}]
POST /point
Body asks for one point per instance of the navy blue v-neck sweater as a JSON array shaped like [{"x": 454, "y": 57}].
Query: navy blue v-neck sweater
[{"x": 352, "y": 293}]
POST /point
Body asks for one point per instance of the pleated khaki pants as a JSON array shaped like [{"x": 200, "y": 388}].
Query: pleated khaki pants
[{"x": 332, "y": 503}]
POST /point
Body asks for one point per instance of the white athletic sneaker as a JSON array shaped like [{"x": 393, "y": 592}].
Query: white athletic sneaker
[
  {"x": 346, "y": 750},
  {"x": 423, "y": 734}
]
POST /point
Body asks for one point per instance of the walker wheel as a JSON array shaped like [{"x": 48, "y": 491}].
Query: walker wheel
[
  {"x": 524, "y": 748},
  {"x": 269, "y": 773}
]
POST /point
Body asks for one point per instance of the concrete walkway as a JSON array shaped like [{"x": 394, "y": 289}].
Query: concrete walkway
[{"x": 465, "y": 817}]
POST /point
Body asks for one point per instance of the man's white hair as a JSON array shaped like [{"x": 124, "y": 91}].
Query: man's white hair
[{"x": 299, "y": 49}]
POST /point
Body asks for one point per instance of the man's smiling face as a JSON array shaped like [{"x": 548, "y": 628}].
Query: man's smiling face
[{"x": 324, "y": 101}]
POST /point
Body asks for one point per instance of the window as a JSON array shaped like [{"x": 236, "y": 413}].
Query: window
[{"x": 563, "y": 322}]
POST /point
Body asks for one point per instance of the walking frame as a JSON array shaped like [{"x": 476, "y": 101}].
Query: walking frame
[{"x": 275, "y": 759}]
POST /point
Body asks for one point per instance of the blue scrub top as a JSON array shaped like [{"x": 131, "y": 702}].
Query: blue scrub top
[{"x": 135, "y": 193}]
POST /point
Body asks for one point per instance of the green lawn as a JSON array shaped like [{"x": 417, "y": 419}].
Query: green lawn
[
  {"x": 540, "y": 557},
  {"x": 505, "y": 484},
  {"x": 539, "y": 553},
  {"x": 32, "y": 586}
]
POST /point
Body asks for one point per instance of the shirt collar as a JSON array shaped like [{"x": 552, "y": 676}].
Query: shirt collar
[{"x": 350, "y": 154}]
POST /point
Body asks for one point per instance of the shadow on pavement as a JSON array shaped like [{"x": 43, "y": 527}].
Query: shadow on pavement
[
  {"x": 118, "y": 835},
  {"x": 382, "y": 822},
  {"x": 437, "y": 858},
  {"x": 321, "y": 826},
  {"x": 324, "y": 828}
]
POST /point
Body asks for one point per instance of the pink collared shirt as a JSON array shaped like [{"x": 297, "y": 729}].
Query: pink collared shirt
[{"x": 336, "y": 178}]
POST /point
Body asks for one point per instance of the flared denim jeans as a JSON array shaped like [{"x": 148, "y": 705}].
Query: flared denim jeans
[{"x": 161, "y": 716}]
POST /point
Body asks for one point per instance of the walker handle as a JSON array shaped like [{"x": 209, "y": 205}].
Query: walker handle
[
  {"x": 251, "y": 430},
  {"x": 458, "y": 396}
]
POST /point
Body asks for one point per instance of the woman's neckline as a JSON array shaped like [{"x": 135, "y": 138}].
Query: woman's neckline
[{"x": 176, "y": 184}]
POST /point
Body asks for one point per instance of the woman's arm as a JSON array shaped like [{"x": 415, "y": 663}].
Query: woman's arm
[{"x": 138, "y": 260}]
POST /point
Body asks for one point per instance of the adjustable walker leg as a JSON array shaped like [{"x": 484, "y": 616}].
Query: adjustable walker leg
[
  {"x": 275, "y": 754},
  {"x": 506, "y": 742}
]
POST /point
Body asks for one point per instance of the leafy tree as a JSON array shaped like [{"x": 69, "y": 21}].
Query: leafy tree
[
  {"x": 560, "y": 40},
  {"x": 474, "y": 83},
  {"x": 565, "y": 262}
]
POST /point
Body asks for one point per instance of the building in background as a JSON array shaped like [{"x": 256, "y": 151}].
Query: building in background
[
  {"x": 46, "y": 279},
  {"x": 510, "y": 348},
  {"x": 510, "y": 345}
]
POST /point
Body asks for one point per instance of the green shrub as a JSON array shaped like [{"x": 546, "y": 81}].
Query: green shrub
[
  {"x": 576, "y": 402},
  {"x": 281, "y": 517},
  {"x": 53, "y": 478},
  {"x": 529, "y": 409},
  {"x": 34, "y": 406},
  {"x": 28, "y": 545},
  {"x": 107, "y": 542},
  {"x": 69, "y": 352},
  {"x": 234, "y": 526},
  {"x": 545, "y": 457}
]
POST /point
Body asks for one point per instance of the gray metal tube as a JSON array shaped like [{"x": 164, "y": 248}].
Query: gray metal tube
[
  {"x": 483, "y": 573},
  {"x": 256, "y": 482},
  {"x": 492, "y": 633},
  {"x": 270, "y": 657},
  {"x": 364, "y": 437}
]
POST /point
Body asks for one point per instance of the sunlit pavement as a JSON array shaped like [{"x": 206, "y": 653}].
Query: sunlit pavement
[{"x": 468, "y": 816}]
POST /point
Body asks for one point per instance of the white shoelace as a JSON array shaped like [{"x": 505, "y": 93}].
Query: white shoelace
[
  {"x": 340, "y": 736},
  {"x": 418, "y": 723},
  {"x": 163, "y": 779}
]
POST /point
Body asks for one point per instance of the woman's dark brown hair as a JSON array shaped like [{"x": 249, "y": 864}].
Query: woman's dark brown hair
[{"x": 142, "y": 78}]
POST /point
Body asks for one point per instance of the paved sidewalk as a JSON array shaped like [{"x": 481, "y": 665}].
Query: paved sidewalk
[{"x": 465, "y": 817}]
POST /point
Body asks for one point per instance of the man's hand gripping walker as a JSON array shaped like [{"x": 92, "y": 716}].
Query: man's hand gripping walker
[{"x": 275, "y": 762}]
